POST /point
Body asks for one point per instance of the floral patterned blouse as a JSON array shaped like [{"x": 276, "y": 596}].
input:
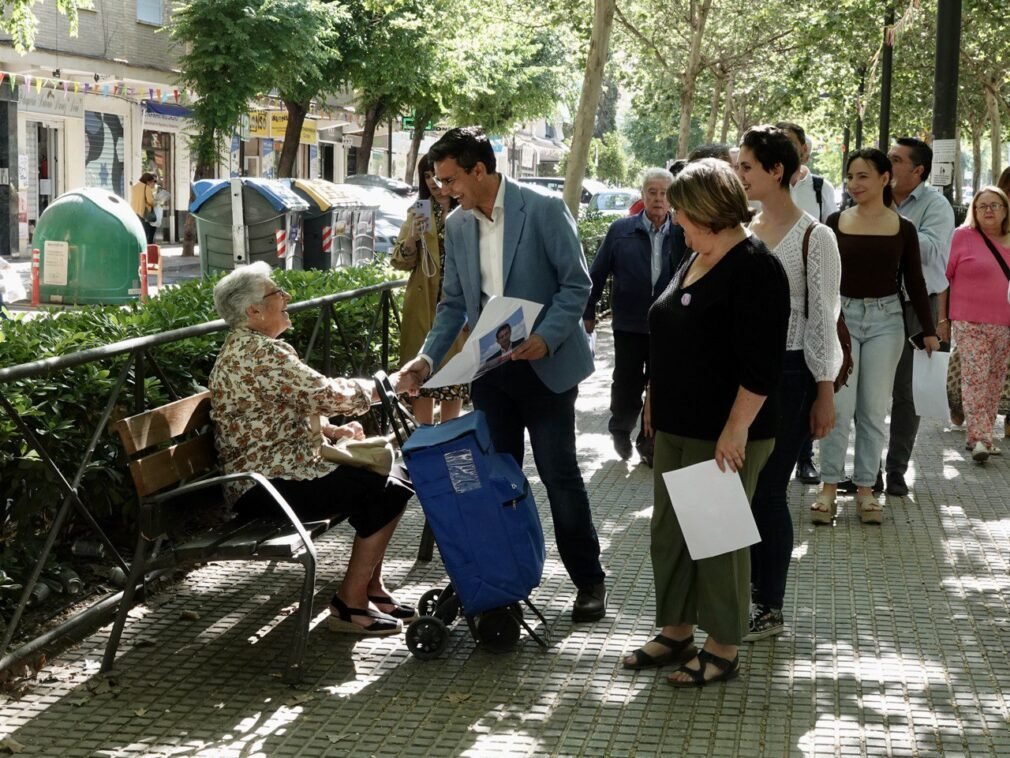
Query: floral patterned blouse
[{"x": 261, "y": 397}]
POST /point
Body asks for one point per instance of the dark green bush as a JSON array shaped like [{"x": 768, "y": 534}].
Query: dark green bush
[{"x": 63, "y": 407}]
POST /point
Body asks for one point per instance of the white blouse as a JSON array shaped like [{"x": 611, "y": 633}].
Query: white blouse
[{"x": 816, "y": 336}]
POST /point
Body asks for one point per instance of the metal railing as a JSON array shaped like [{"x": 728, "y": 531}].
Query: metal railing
[{"x": 326, "y": 329}]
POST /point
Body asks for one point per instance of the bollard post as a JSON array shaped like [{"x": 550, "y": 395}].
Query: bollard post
[
  {"x": 143, "y": 276},
  {"x": 281, "y": 237},
  {"x": 36, "y": 294}
]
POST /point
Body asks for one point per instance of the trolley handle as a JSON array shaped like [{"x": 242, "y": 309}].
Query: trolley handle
[{"x": 394, "y": 412}]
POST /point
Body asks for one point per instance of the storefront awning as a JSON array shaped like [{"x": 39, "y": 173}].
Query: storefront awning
[{"x": 167, "y": 109}]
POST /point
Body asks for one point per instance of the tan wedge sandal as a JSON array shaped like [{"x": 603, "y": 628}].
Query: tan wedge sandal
[
  {"x": 869, "y": 509},
  {"x": 824, "y": 509}
]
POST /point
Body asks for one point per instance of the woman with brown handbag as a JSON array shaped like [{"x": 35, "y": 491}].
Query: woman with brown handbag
[
  {"x": 420, "y": 249},
  {"x": 806, "y": 395}
]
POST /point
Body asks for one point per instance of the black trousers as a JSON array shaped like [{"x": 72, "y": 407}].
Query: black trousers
[
  {"x": 904, "y": 420},
  {"x": 631, "y": 372}
]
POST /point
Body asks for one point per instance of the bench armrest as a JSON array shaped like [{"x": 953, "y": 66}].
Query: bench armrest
[{"x": 256, "y": 478}]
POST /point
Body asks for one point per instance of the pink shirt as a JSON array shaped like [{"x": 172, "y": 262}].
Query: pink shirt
[{"x": 978, "y": 286}]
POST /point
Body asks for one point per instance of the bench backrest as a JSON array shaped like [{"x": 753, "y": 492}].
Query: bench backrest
[{"x": 169, "y": 444}]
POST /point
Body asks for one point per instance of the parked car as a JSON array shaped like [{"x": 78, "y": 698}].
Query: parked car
[
  {"x": 383, "y": 182},
  {"x": 613, "y": 202},
  {"x": 557, "y": 183}
]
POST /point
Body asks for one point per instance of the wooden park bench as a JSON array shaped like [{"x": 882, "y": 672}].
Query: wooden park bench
[{"x": 172, "y": 455}]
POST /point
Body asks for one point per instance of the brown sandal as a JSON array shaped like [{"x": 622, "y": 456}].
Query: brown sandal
[{"x": 824, "y": 509}]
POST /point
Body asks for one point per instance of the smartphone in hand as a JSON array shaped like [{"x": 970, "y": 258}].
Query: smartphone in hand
[{"x": 422, "y": 212}]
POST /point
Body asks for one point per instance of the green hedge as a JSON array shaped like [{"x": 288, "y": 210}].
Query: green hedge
[{"x": 63, "y": 408}]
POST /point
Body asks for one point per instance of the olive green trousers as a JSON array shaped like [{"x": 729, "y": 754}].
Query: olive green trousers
[{"x": 713, "y": 593}]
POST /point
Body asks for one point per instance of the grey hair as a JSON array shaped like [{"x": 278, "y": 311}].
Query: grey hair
[
  {"x": 654, "y": 174},
  {"x": 236, "y": 291}
]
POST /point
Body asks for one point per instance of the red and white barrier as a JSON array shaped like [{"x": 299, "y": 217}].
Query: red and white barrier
[
  {"x": 282, "y": 243},
  {"x": 36, "y": 293},
  {"x": 327, "y": 239}
]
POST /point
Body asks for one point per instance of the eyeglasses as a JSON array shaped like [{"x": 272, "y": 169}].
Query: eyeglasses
[
  {"x": 990, "y": 207},
  {"x": 447, "y": 183},
  {"x": 277, "y": 291}
]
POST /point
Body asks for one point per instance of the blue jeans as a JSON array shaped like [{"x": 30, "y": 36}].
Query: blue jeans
[
  {"x": 515, "y": 401},
  {"x": 878, "y": 335},
  {"x": 770, "y": 557}
]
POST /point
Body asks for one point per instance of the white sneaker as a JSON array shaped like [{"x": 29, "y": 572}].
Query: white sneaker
[{"x": 980, "y": 453}]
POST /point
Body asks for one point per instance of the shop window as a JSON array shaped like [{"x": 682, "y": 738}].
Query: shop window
[{"x": 150, "y": 12}]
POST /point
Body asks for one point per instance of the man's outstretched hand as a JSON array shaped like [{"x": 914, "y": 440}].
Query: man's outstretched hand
[{"x": 413, "y": 374}]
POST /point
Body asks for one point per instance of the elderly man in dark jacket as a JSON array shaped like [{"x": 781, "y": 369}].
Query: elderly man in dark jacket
[{"x": 641, "y": 252}]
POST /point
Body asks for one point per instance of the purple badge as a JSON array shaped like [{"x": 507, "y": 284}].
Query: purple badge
[{"x": 685, "y": 299}]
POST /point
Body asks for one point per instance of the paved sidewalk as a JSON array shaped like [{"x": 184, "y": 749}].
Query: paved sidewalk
[
  {"x": 897, "y": 644},
  {"x": 177, "y": 269}
]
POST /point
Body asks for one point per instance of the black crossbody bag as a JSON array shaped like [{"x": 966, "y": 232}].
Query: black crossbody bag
[{"x": 996, "y": 255}]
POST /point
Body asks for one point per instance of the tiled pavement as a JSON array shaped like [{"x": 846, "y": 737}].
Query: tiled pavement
[{"x": 897, "y": 644}]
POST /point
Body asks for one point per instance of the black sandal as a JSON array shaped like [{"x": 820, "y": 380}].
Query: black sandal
[
  {"x": 679, "y": 651},
  {"x": 728, "y": 670},
  {"x": 406, "y": 613},
  {"x": 340, "y": 620}
]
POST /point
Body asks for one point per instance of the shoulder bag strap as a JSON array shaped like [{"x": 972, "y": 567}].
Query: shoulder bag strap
[
  {"x": 806, "y": 253},
  {"x": 996, "y": 255}
]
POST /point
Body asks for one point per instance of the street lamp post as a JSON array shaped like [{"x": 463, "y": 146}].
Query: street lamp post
[{"x": 948, "y": 43}]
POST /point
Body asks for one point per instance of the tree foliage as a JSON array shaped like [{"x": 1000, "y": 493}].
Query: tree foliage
[{"x": 18, "y": 19}]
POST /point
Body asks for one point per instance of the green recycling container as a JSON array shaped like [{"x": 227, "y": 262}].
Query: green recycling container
[{"x": 89, "y": 242}]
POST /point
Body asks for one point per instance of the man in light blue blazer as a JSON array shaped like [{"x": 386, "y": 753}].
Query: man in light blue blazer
[{"x": 507, "y": 239}]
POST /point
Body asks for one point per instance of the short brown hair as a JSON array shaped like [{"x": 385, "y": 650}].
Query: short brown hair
[
  {"x": 147, "y": 177},
  {"x": 971, "y": 219},
  {"x": 709, "y": 193}
]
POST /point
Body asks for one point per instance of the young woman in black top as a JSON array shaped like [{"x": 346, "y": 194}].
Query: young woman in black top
[
  {"x": 717, "y": 340},
  {"x": 878, "y": 249}
]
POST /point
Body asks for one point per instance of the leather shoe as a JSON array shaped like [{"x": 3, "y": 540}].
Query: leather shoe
[
  {"x": 807, "y": 473},
  {"x": 878, "y": 486},
  {"x": 590, "y": 603},
  {"x": 847, "y": 486},
  {"x": 623, "y": 446},
  {"x": 896, "y": 485}
]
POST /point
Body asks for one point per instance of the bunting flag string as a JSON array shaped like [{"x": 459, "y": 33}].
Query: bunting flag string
[{"x": 183, "y": 97}]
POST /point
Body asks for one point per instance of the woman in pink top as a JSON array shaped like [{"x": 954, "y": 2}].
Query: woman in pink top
[{"x": 980, "y": 312}]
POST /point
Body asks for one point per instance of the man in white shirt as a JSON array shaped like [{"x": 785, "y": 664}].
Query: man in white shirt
[
  {"x": 511, "y": 239},
  {"x": 811, "y": 192}
]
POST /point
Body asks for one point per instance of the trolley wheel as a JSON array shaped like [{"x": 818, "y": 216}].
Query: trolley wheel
[
  {"x": 428, "y": 603},
  {"x": 427, "y": 638},
  {"x": 498, "y": 630}
]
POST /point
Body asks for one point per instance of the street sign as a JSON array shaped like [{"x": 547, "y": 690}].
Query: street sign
[{"x": 408, "y": 122}]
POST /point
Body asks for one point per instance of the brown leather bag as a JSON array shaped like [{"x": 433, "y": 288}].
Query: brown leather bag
[{"x": 844, "y": 338}]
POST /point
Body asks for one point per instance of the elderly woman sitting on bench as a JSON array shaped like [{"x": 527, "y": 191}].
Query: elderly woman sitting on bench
[{"x": 262, "y": 396}]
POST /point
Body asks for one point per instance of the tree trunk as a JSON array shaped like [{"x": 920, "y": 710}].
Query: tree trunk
[
  {"x": 994, "y": 130},
  {"x": 373, "y": 116},
  {"x": 203, "y": 170},
  {"x": 292, "y": 138},
  {"x": 689, "y": 82},
  {"x": 727, "y": 111},
  {"x": 589, "y": 101},
  {"x": 958, "y": 168},
  {"x": 713, "y": 112},
  {"x": 976, "y": 156},
  {"x": 420, "y": 120}
]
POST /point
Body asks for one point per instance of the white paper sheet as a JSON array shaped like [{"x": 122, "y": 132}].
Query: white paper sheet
[
  {"x": 712, "y": 509},
  {"x": 929, "y": 384},
  {"x": 480, "y": 353}
]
